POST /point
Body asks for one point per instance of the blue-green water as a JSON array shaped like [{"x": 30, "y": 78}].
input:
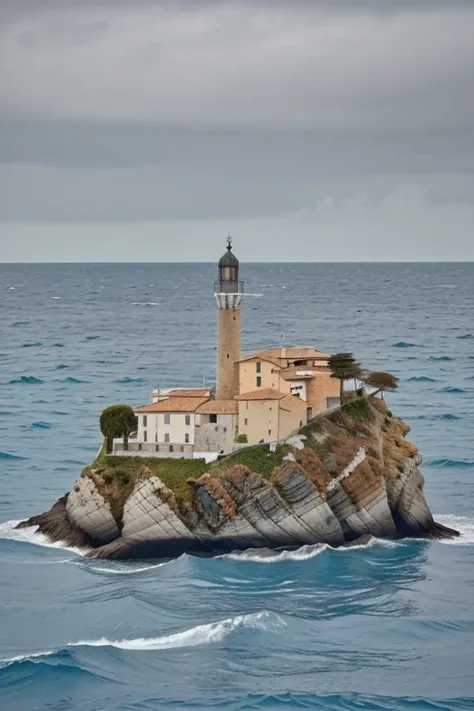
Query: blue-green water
[{"x": 389, "y": 626}]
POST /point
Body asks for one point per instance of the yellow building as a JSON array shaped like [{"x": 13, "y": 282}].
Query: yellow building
[{"x": 267, "y": 415}]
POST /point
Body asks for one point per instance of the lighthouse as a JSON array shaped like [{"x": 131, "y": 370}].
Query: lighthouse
[{"x": 229, "y": 292}]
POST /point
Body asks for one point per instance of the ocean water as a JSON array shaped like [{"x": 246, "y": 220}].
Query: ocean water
[{"x": 387, "y": 626}]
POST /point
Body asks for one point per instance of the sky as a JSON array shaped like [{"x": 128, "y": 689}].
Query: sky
[{"x": 312, "y": 130}]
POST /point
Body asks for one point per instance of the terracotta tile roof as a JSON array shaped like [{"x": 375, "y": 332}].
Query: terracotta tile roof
[
  {"x": 174, "y": 404},
  {"x": 261, "y": 356},
  {"x": 218, "y": 407},
  {"x": 262, "y": 394},
  {"x": 297, "y": 353},
  {"x": 289, "y": 401}
]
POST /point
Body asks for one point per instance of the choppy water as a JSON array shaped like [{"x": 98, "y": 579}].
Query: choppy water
[{"x": 388, "y": 626}]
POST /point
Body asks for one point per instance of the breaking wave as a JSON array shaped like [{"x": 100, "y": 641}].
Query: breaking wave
[
  {"x": 306, "y": 552},
  {"x": 452, "y": 390},
  {"x": 9, "y": 532},
  {"x": 193, "y": 637},
  {"x": 463, "y": 524}
]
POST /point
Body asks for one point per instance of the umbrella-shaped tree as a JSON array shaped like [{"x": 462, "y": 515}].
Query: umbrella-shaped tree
[
  {"x": 118, "y": 421},
  {"x": 381, "y": 381},
  {"x": 344, "y": 367}
]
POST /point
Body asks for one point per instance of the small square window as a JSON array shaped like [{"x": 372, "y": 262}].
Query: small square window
[
  {"x": 186, "y": 438},
  {"x": 187, "y": 420},
  {"x": 167, "y": 437},
  {"x": 213, "y": 419},
  {"x": 259, "y": 381},
  {"x": 167, "y": 419}
]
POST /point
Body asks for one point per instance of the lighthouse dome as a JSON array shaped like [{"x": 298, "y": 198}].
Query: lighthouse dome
[{"x": 228, "y": 259}]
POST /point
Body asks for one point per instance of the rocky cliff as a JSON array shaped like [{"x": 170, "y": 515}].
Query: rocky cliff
[{"x": 348, "y": 474}]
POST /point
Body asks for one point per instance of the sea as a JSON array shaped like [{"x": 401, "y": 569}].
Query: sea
[{"x": 389, "y": 625}]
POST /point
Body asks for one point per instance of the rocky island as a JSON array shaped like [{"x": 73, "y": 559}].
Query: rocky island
[
  {"x": 344, "y": 476},
  {"x": 279, "y": 454}
]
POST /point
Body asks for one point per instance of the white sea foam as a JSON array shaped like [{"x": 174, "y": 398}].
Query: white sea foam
[
  {"x": 265, "y": 555},
  {"x": 202, "y": 634},
  {"x": 145, "y": 303},
  {"x": 116, "y": 568},
  {"x": 463, "y": 524},
  {"x": 193, "y": 637},
  {"x": 9, "y": 532}
]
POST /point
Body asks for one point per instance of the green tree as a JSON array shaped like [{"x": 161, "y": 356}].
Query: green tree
[
  {"x": 344, "y": 367},
  {"x": 118, "y": 421},
  {"x": 382, "y": 381}
]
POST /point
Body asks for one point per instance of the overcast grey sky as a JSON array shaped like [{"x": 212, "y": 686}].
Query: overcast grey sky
[{"x": 311, "y": 129}]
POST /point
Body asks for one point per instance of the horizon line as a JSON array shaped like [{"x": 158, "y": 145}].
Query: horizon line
[{"x": 280, "y": 261}]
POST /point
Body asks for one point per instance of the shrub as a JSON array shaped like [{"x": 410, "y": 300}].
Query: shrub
[{"x": 242, "y": 439}]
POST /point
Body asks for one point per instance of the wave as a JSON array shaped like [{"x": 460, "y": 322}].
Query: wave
[
  {"x": 465, "y": 337},
  {"x": 145, "y": 303},
  {"x": 62, "y": 366},
  {"x": 452, "y": 463},
  {"x": 92, "y": 338},
  {"x": 11, "y": 457},
  {"x": 421, "y": 379},
  {"x": 31, "y": 345},
  {"x": 26, "y": 380},
  {"x": 42, "y": 425},
  {"x": 58, "y": 345},
  {"x": 10, "y": 532},
  {"x": 463, "y": 524},
  {"x": 444, "y": 416},
  {"x": 73, "y": 381},
  {"x": 193, "y": 637},
  {"x": 116, "y": 567},
  {"x": 452, "y": 390},
  {"x": 441, "y": 358},
  {"x": 403, "y": 344},
  {"x": 129, "y": 381},
  {"x": 17, "y": 324},
  {"x": 306, "y": 552}
]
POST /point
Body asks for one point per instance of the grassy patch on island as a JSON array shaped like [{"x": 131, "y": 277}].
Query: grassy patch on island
[{"x": 257, "y": 458}]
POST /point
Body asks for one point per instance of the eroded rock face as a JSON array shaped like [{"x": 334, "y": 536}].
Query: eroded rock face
[
  {"x": 90, "y": 512},
  {"x": 333, "y": 489}
]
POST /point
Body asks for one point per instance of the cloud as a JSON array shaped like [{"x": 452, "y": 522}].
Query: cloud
[{"x": 236, "y": 64}]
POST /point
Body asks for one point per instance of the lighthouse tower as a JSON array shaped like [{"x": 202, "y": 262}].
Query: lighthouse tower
[{"x": 229, "y": 292}]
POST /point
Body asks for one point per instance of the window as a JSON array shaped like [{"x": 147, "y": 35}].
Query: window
[
  {"x": 156, "y": 436},
  {"x": 145, "y": 420},
  {"x": 213, "y": 419},
  {"x": 269, "y": 432},
  {"x": 187, "y": 420},
  {"x": 259, "y": 367},
  {"x": 167, "y": 437},
  {"x": 145, "y": 436},
  {"x": 259, "y": 381},
  {"x": 186, "y": 438},
  {"x": 167, "y": 419},
  {"x": 246, "y": 421}
]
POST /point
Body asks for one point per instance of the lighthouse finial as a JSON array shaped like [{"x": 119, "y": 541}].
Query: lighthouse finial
[{"x": 229, "y": 241}]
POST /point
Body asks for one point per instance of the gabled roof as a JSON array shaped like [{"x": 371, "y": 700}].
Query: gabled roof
[
  {"x": 289, "y": 402},
  {"x": 218, "y": 407},
  {"x": 262, "y": 394},
  {"x": 173, "y": 404},
  {"x": 261, "y": 356},
  {"x": 295, "y": 353}
]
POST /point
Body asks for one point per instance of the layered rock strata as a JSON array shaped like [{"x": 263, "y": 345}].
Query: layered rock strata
[{"x": 347, "y": 475}]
